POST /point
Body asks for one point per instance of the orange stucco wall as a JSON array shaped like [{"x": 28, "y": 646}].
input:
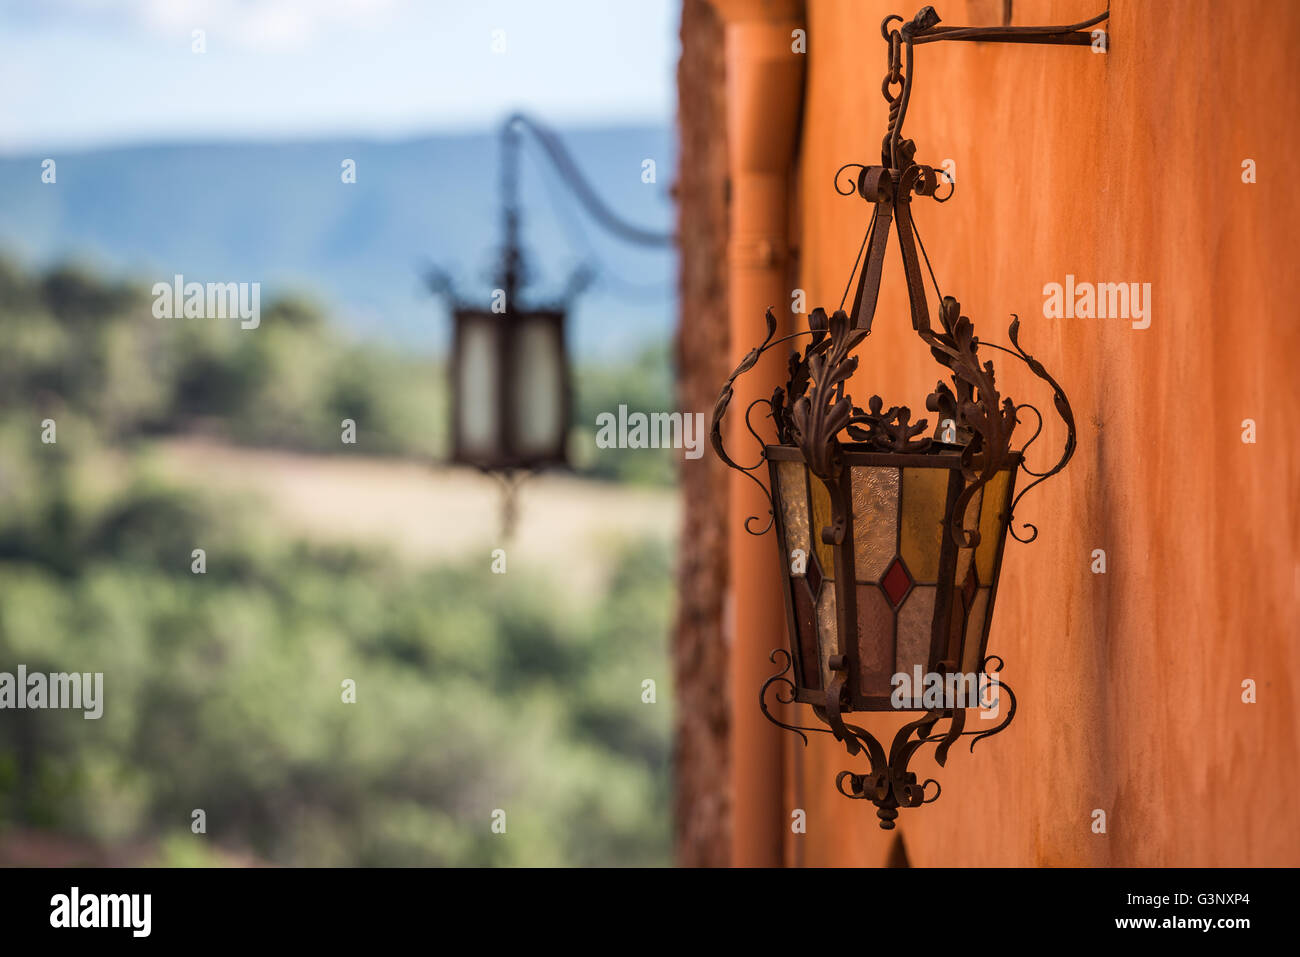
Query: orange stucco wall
[{"x": 1122, "y": 167}]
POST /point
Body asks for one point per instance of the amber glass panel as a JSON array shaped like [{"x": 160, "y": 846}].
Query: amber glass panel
[
  {"x": 925, "y": 496},
  {"x": 821, "y": 503},
  {"x": 970, "y": 662},
  {"x": 915, "y": 628},
  {"x": 875, "y": 520},
  {"x": 991, "y": 521},
  {"x": 794, "y": 506},
  {"x": 875, "y": 641},
  {"x": 827, "y": 632},
  {"x": 805, "y": 619}
]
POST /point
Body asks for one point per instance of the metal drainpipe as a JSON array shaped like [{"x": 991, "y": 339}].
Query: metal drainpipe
[{"x": 764, "y": 95}]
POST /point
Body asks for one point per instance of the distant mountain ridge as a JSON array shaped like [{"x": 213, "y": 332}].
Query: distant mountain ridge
[{"x": 278, "y": 213}]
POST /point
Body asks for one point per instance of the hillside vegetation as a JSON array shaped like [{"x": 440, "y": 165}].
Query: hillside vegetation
[{"x": 475, "y": 692}]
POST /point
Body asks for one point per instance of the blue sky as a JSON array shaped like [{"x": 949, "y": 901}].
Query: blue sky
[{"x": 83, "y": 73}]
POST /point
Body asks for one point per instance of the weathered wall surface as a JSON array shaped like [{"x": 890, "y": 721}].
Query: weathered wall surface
[
  {"x": 1123, "y": 167},
  {"x": 702, "y": 809}
]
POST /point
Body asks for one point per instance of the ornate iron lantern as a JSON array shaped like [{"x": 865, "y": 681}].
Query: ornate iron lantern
[{"x": 890, "y": 541}]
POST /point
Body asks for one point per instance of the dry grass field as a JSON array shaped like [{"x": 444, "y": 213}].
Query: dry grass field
[{"x": 427, "y": 513}]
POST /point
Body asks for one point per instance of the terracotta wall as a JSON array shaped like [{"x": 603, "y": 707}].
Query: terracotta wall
[{"x": 1123, "y": 167}]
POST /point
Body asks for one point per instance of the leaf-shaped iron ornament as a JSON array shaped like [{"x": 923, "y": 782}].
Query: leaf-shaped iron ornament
[
  {"x": 825, "y": 409},
  {"x": 975, "y": 408},
  {"x": 818, "y": 426}
]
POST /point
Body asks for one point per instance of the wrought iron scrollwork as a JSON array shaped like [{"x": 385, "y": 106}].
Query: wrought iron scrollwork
[
  {"x": 976, "y": 407},
  {"x": 952, "y": 187},
  {"x": 781, "y": 681},
  {"x": 819, "y": 415},
  {"x": 853, "y": 183},
  {"x": 1063, "y": 409},
  {"x": 720, "y": 410},
  {"x": 888, "y": 783}
]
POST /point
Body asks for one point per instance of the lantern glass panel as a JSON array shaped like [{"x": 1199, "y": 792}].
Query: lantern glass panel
[
  {"x": 794, "y": 506},
  {"x": 478, "y": 384},
  {"x": 539, "y": 392},
  {"x": 875, "y": 641},
  {"x": 974, "y": 631},
  {"x": 821, "y": 507},
  {"x": 991, "y": 524},
  {"x": 925, "y": 500},
  {"x": 915, "y": 628},
  {"x": 962, "y": 599},
  {"x": 827, "y": 630},
  {"x": 875, "y": 520},
  {"x": 805, "y": 622}
]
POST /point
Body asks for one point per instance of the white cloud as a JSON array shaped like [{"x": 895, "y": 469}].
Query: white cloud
[{"x": 266, "y": 25}]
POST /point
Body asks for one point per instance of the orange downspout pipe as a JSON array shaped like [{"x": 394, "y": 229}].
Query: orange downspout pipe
[{"x": 764, "y": 97}]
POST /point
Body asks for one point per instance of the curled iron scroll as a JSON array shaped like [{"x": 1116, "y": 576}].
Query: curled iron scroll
[
  {"x": 779, "y": 679},
  {"x": 724, "y": 401},
  {"x": 952, "y": 186},
  {"x": 1063, "y": 409},
  {"x": 1003, "y": 687},
  {"x": 720, "y": 410},
  {"x": 853, "y": 184},
  {"x": 945, "y": 738}
]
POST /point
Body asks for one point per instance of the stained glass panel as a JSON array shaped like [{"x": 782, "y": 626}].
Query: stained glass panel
[
  {"x": 915, "y": 627},
  {"x": 974, "y": 631},
  {"x": 806, "y": 622},
  {"x": 794, "y": 506},
  {"x": 821, "y": 518},
  {"x": 896, "y": 583},
  {"x": 875, "y": 520},
  {"x": 828, "y": 633},
  {"x": 875, "y": 641},
  {"x": 925, "y": 496}
]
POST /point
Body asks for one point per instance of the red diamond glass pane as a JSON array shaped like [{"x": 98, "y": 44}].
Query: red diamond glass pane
[
  {"x": 814, "y": 575},
  {"x": 896, "y": 582}
]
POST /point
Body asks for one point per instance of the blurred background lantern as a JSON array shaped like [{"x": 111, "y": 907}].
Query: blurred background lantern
[
  {"x": 511, "y": 391},
  {"x": 891, "y": 541}
]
